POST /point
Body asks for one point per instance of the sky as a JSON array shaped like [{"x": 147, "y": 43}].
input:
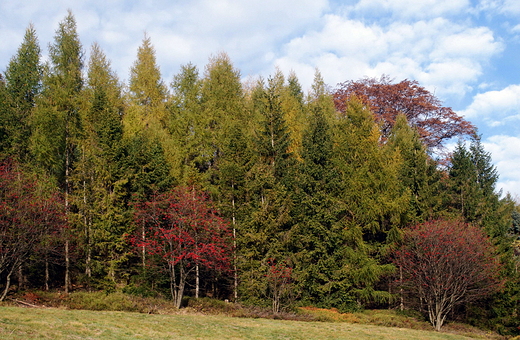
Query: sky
[{"x": 466, "y": 52}]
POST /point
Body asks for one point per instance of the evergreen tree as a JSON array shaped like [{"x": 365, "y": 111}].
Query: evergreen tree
[
  {"x": 418, "y": 173},
  {"x": 372, "y": 203},
  {"x": 265, "y": 234},
  {"x": 4, "y": 119},
  {"x": 100, "y": 198},
  {"x": 294, "y": 113},
  {"x": 317, "y": 238}
]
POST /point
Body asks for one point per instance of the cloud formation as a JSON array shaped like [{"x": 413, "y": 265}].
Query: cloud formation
[{"x": 461, "y": 50}]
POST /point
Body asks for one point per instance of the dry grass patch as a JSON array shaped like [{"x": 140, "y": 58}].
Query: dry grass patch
[{"x": 52, "y": 323}]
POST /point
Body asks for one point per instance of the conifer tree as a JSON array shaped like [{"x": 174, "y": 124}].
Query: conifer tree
[
  {"x": 294, "y": 112},
  {"x": 98, "y": 177},
  {"x": 187, "y": 125},
  {"x": 317, "y": 237},
  {"x": 223, "y": 105},
  {"x": 23, "y": 83},
  {"x": 4, "y": 119},
  {"x": 418, "y": 173},
  {"x": 56, "y": 124},
  {"x": 146, "y": 115},
  {"x": 269, "y": 200},
  {"x": 372, "y": 202}
]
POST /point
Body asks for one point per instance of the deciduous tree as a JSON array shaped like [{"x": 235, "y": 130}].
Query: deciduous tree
[
  {"x": 446, "y": 263},
  {"x": 27, "y": 215},
  {"x": 185, "y": 230},
  {"x": 423, "y": 110}
]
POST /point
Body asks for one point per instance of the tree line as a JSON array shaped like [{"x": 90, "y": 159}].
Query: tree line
[{"x": 254, "y": 192}]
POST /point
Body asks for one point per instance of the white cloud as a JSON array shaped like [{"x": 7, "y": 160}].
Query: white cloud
[
  {"x": 496, "y": 107},
  {"x": 443, "y": 56},
  {"x": 505, "y": 154}
]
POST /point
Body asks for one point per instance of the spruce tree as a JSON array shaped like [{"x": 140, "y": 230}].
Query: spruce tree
[
  {"x": 98, "y": 176},
  {"x": 418, "y": 172},
  {"x": 371, "y": 203},
  {"x": 317, "y": 237},
  {"x": 265, "y": 234}
]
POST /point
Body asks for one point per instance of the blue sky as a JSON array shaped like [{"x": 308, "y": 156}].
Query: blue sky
[{"x": 466, "y": 52}]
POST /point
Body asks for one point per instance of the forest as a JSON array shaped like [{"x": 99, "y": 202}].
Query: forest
[{"x": 251, "y": 191}]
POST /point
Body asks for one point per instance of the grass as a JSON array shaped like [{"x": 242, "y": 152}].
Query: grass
[
  {"x": 56, "y": 324},
  {"x": 124, "y": 316}
]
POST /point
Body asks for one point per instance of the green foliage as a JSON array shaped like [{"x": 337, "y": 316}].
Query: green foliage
[
  {"x": 23, "y": 78},
  {"x": 328, "y": 193},
  {"x": 418, "y": 172}
]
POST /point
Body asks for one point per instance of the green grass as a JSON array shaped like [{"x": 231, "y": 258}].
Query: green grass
[{"x": 56, "y": 324}]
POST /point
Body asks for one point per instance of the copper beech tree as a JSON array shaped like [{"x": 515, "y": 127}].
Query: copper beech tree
[
  {"x": 446, "y": 263},
  {"x": 423, "y": 110},
  {"x": 184, "y": 229}
]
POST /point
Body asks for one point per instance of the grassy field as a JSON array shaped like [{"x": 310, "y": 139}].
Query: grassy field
[{"x": 56, "y": 324}]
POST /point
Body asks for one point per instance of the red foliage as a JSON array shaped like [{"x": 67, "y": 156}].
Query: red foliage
[
  {"x": 446, "y": 263},
  {"x": 434, "y": 122},
  {"x": 184, "y": 228}
]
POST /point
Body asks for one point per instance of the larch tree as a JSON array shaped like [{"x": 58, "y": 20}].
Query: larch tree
[
  {"x": 146, "y": 113},
  {"x": 223, "y": 105},
  {"x": 187, "y": 124},
  {"x": 56, "y": 125},
  {"x": 23, "y": 78}
]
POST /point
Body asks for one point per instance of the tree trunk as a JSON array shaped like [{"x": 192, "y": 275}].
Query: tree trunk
[
  {"x": 235, "y": 272},
  {"x": 401, "y": 297},
  {"x": 67, "y": 267},
  {"x": 8, "y": 282},
  {"x": 47, "y": 276},
  {"x": 197, "y": 281},
  {"x": 19, "y": 274},
  {"x": 67, "y": 191}
]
